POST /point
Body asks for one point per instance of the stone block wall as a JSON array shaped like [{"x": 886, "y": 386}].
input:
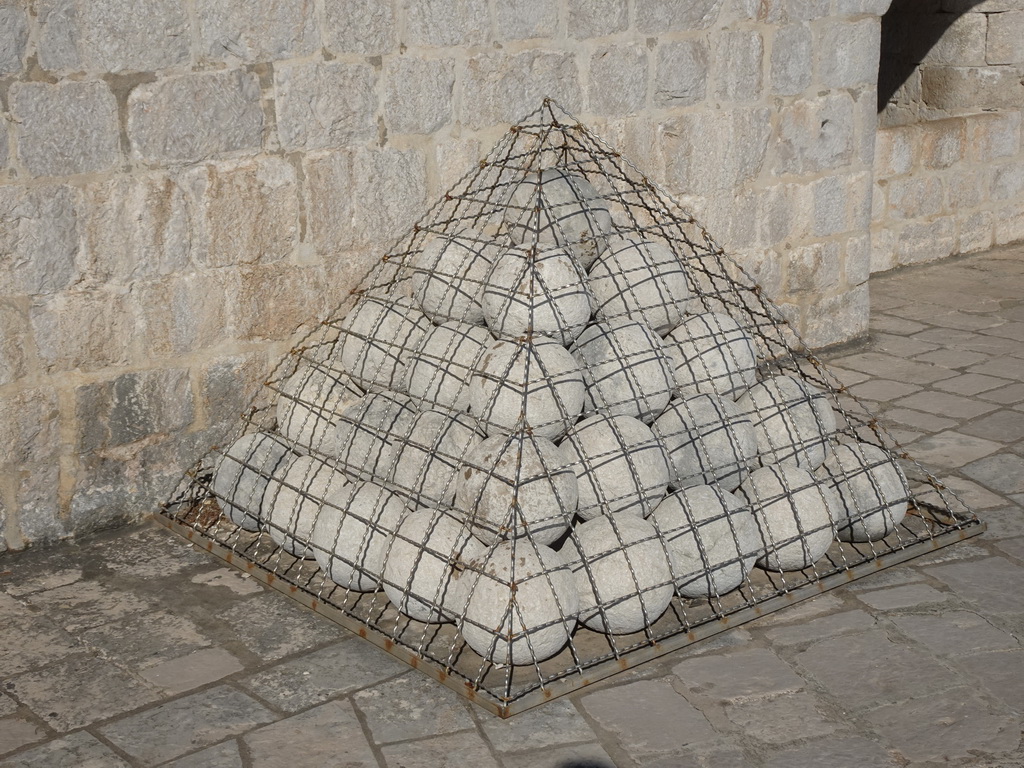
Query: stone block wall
[{"x": 183, "y": 184}]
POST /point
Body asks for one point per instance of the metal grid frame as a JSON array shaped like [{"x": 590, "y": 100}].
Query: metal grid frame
[{"x": 548, "y": 137}]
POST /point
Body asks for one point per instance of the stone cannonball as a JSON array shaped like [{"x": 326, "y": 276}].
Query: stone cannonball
[
  {"x": 309, "y": 404},
  {"x": 378, "y": 336},
  {"x": 428, "y": 457},
  {"x": 450, "y": 273},
  {"x": 439, "y": 369},
  {"x": 871, "y": 489},
  {"x": 294, "y": 499},
  {"x": 712, "y": 354},
  {"x": 368, "y": 432},
  {"x": 242, "y": 474}
]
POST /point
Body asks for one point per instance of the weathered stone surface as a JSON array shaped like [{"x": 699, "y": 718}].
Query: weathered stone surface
[
  {"x": 1009, "y": 225},
  {"x": 792, "y": 60},
  {"x": 597, "y": 18},
  {"x": 363, "y": 199},
  {"x": 17, "y": 732},
  {"x": 522, "y": 19},
  {"x": 224, "y": 755},
  {"x": 366, "y": 27},
  {"x": 746, "y": 675},
  {"x": 243, "y": 213},
  {"x": 707, "y": 151},
  {"x": 272, "y": 627},
  {"x": 447, "y": 22},
  {"x": 681, "y": 73},
  {"x": 648, "y": 716},
  {"x": 896, "y": 150},
  {"x": 270, "y": 302},
  {"x": 196, "y": 116},
  {"x": 848, "y": 53},
  {"x": 815, "y": 134},
  {"x": 856, "y": 7},
  {"x": 1005, "y": 32},
  {"x": 906, "y": 596},
  {"x": 132, "y": 407},
  {"x": 838, "y": 317},
  {"x": 831, "y": 197},
  {"x": 807, "y": 10},
  {"x": 183, "y": 314},
  {"x": 994, "y": 135},
  {"x": 66, "y": 128},
  {"x": 412, "y": 706},
  {"x": 418, "y": 93},
  {"x": 265, "y": 30},
  {"x": 29, "y": 429},
  {"x": 739, "y": 64},
  {"x": 955, "y": 633},
  {"x": 826, "y": 626},
  {"x": 325, "y": 104},
  {"x": 926, "y": 241},
  {"x": 8, "y": 706},
  {"x": 658, "y": 16},
  {"x": 145, "y": 639},
  {"x": 39, "y": 231},
  {"x": 32, "y": 642},
  {"x": 618, "y": 79},
  {"x": 1008, "y": 182},
  {"x": 15, "y": 343},
  {"x": 179, "y": 726},
  {"x": 962, "y": 42},
  {"x": 854, "y": 750},
  {"x": 915, "y": 197},
  {"x": 329, "y": 735},
  {"x": 55, "y": 693},
  {"x": 984, "y": 583},
  {"x": 947, "y": 727},
  {"x": 782, "y": 719},
  {"x": 503, "y": 87},
  {"x": 814, "y": 268},
  {"x": 326, "y": 674},
  {"x": 1000, "y": 673},
  {"x": 79, "y": 749},
  {"x": 441, "y": 752},
  {"x": 229, "y": 384},
  {"x": 556, "y": 723},
  {"x": 191, "y": 671},
  {"x": 953, "y": 88},
  {"x": 943, "y": 142},
  {"x": 13, "y": 37},
  {"x": 88, "y": 604}
]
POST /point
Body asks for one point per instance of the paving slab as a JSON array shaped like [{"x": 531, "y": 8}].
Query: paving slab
[
  {"x": 8, "y": 706},
  {"x": 147, "y": 552},
  {"x": 745, "y": 675},
  {"x": 1013, "y": 547},
  {"x": 1004, "y": 426},
  {"x": 991, "y": 585},
  {"x": 30, "y": 641},
  {"x": 321, "y": 675},
  {"x": 145, "y": 639},
  {"x": 907, "y": 596},
  {"x": 81, "y": 750},
  {"x": 1003, "y": 472},
  {"x": 953, "y": 358},
  {"x": 1008, "y": 395},
  {"x": 327, "y": 735},
  {"x": 780, "y": 719},
  {"x": 955, "y": 633},
  {"x": 817, "y": 629},
  {"x": 17, "y": 732},
  {"x": 225, "y": 755},
  {"x": 950, "y": 449},
  {"x": 557, "y": 722},
  {"x": 458, "y": 751},
  {"x": 186, "y": 724},
  {"x": 850, "y": 751},
  {"x": 1003, "y": 523},
  {"x": 273, "y": 628},
  {"x": 1000, "y": 673},
  {"x": 883, "y": 389},
  {"x": 925, "y": 422},
  {"x": 193, "y": 670},
  {"x": 412, "y": 706},
  {"x": 572, "y": 756},
  {"x": 87, "y": 604}
]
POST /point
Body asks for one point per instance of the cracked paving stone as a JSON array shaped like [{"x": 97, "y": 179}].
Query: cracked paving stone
[
  {"x": 896, "y": 368},
  {"x": 953, "y": 358},
  {"x": 907, "y": 596},
  {"x": 970, "y": 384},
  {"x": 781, "y": 719},
  {"x": 88, "y": 604},
  {"x": 1003, "y": 473},
  {"x": 460, "y": 751},
  {"x": 947, "y": 727},
  {"x": 1003, "y": 367},
  {"x": 8, "y": 706},
  {"x": 557, "y": 722},
  {"x": 817, "y": 629},
  {"x": 328, "y": 735},
  {"x": 991, "y": 585},
  {"x": 238, "y": 583},
  {"x": 271, "y": 626},
  {"x": 80, "y": 750},
  {"x": 191, "y": 671},
  {"x": 224, "y": 755},
  {"x": 753, "y": 674},
  {"x": 868, "y": 669},
  {"x": 30, "y": 641},
  {"x": 926, "y": 422},
  {"x": 852, "y": 751},
  {"x": 883, "y": 389},
  {"x": 35, "y": 582},
  {"x": 955, "y": 633},
  {"x": 412, "y": 706},
  {"x": 79, "y": 691},
  {"x": 17, "y": 732},
  {"x": 574, "y": 756},
  {"x": 321, "y": 675},
  {"x": 648, "y": 716},
  {"x": 180, "y": 726},
  {"x": 146, "y": 639}
]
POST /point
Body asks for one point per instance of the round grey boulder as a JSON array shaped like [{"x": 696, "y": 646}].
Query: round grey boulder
[
  {"x": 429, "y": 456},
  {"x": 378, "y": 335},
  {"x": 450, "y": 273},
  {"x": 871, "y": 489},
  {"x": 242, "y": 473},
  {"x": 294, "y": 500},
  {"x": 309, "y": 404},
  {"x": 368, "y": 432},
  {"x": 439, "y": 369},
  {"x": 712, "y": 354}
]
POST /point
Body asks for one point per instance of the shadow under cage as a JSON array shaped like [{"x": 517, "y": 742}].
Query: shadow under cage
[{"x": 554, "y": 433}]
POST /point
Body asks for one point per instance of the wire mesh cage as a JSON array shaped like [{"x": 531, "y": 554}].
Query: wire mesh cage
[{"x": 555, "y": 432}]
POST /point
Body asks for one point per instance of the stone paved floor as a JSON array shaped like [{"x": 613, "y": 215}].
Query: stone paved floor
[{"x": 131, "y": 649}]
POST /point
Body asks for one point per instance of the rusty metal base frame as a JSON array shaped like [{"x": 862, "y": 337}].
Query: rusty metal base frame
[{"x": 591, "y": 656}]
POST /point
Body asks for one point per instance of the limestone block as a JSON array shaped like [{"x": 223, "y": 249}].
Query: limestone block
[
  {"x": 1008, "y": 181},
  {"x": 618, "y": 79},
  {"x": 38, "y": 505},
  {"x": 263, "y": 30},
  {"x": 713, "y": 150},
  {"x": 927, "y": 241},
  {"x": 866, "y": 114},
  {"x": 814, "y": 269},
  {"x": 961, "y": 44},
  {"x": 365, "y": 27},
  {"x": 972, "y": 88},
  {"x": 87, "y": 330},
  {"x": 966, "y": 188},
  {"x": 858, "y": 7},
  {"x": 363, "y": 198},
  {"x": 39, "y": 229},
  {"x": 815, "y": 134},
  {"x": 182, "y": 313},
  {"x": 915, "y": 196},
  {"x": 418, "y": 93},
  {"x": 739, "y": 64},
  {"x": 272, "y": 301},
  {"x": 837, "y": 318},
  {"x": 896, "y": 150},
  {"x": 976, "y": 232},
  {"x": 659, "y": 16},
  {"x": 29, "y": 426},
  {"x": 66, "y": 128},
  {"x": 15, "y": 341},
  {"x": 861, "y": 186},
  {"x": 13, "y": 37},
  {"x": 447, "y": 22},
  {"x": 681, "y": 73},
  {"x": 112, "y": 35},
  {"x": 943, "y": 142},
  {"x": 134, "y": 227},
  {"x": 597, "y": 18},
  {"x": 883, "y": 250},
  {"x": 502, "y": 87},
  {"x": 848, "y": 53},
  {"x": 792, "y": 60},
  {"x": 831, "y": 201},
  {"x": 806, "y": 10},
  {"x": 195, "y": 116},
  {"x": 857, "y": 261},
  {"x": 985, "y": 6},
  {"x": 325, "y": 104},
  {"x": 228, "y": 385},
  {"x": 1005, "y": 42},
  {"x": 242, "y": 212},
  {"x": 133, "y": 406},
  {"x": 522, "y": 19},
  {"x": 993, "y": 135},
  {"x": 454, "y": 158},
  {"x": 1009, "y": 224},
  {"x": 4, "y": 151},
  {"x": 770, "y": 11}
]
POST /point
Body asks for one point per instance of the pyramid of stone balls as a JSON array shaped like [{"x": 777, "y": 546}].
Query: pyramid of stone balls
[{"x": 540, "y": 416}]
